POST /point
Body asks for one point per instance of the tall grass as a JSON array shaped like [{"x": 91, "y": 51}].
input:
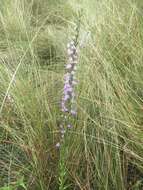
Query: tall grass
[{"x": 105, "y": 149}]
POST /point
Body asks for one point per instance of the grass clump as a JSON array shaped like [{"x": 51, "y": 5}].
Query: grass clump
[{"x": 105, "y": 145}]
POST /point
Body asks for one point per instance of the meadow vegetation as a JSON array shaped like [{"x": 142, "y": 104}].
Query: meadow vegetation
[{"x": 104, "y": 149}]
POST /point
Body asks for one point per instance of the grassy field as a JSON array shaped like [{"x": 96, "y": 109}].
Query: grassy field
[{"x": 104, "y": 149}]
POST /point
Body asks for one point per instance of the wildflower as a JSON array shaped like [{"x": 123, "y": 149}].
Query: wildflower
[
  {"x": 68, "y": 106},
  {"x": 69, "y": 79},
  {"x": 68, "y": 99}
]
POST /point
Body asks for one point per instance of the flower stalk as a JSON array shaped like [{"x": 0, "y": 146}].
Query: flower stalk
[{"x": 68, "y": 103}]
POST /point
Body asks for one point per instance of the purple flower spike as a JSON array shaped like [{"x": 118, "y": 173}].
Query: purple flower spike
[
  {"x": 69, "y": 79},
  {"x": 68, "y": 99},
  {"x": 68, "y": 103}
]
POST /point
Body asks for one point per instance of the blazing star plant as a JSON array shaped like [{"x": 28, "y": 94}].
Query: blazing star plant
[
  {"x": 68, "y": 107},
  {"x": 68, "y": 102},
  {"x": 69, "y": 81}
]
